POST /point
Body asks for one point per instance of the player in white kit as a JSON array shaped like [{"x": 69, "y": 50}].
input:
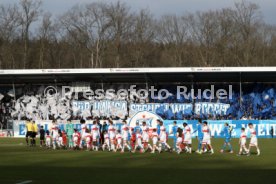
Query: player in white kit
[
  {"x": 119, "y": 141},
  {"x": 125, "y": 135},
  {"x": 242, "y": 142},
  {"x": 76, "y": 139},
  {"x": 111, "y": 132},
  {"x": 138, "y": 143},
  {"x": 48, "y": 139},
  {"x": 163, "y": 137},
  {"x": 54, "y": 133},
  {"x": 154, "y": 137},
  {"x": 145, "y": 137},
  {"x": 253, "y": 140},
  {"x": 83, "y": 132},
  {"x": 206, "y": 138},
  {"x": 106, "y": 141},
  {"x": 95, "y": 131},
  {"x": 88, "y": 140},
  {"x": 187, "y": 137},
  {"x": 179, "y": 140},
  {"x": 60, "y": 141}
]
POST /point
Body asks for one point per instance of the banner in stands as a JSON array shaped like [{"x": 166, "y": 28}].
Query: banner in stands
[
  {"x": 161, "y": 108},
  {"x": 207, "y": 108},
  {"x": 216, "y": 126},
  {"x": 80, "y": 106},
  {"x": 110, "y": 108},
  {"x": 120, "y": 108}
]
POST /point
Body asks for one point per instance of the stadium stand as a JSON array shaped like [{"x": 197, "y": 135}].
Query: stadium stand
[{"x": 23, "y": 96}]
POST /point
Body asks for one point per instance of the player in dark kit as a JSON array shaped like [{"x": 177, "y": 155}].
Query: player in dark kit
[{"x": 42, "y": 136}]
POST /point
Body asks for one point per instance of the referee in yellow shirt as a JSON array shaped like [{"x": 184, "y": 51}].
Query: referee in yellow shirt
[
  {"x": 34, "y": 133},
  {"x": 29, "y": 131}
]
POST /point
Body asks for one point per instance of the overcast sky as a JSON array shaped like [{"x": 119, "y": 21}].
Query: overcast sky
[{"x": 160, "y": 7}]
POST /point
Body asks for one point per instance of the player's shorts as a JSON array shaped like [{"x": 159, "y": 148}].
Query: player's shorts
[
  {"x": 227, "y": 140},
  {"x": 55, "y": 135},
  {"x": 146, "y": 138},
  {"x": 106, "y": 141},
  {"x": 206, "y": 140},
  {"x": 75, "y": 139},
  {"x": 179, "y": 140},
  {"x": 48, "y": 141},
  {"x": 139, "y": 142},
  {"x": 119, "y": 141},
  {"x": 60, "y": 141},
  {"x": 125, "y": 137},
  {"x": 200, "y": 138},
  {"x": 88, "y": 139},
  {"x": 243, "y": 142},
  {"x": 42, "y": 138},
  {"x": 254, "y": 141},
  {"x": 83, "y": 136},
  {"x": 163, "y": 138},
  {"x": 95, "y": 137},
  {"x": 188, "y": 139},
  {"x": 33, "y": 134},
  {"x": 112, "y": 137},
  {"x": 29, "y": 134},
  {"x": 154, "y": 140}
]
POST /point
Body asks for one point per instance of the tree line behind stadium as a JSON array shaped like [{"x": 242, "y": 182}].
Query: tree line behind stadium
[{"x": 99, "y": 34}]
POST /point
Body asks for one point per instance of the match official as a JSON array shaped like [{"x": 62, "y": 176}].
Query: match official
[
  {"x": 29, "y": 131},
  {"x": 34, "y": 133}
]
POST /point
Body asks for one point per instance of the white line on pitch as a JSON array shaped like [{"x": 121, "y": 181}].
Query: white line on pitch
[{"x": 25, "y": 182}]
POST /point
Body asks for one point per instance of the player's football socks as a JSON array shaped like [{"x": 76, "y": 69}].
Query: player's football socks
[
  {"x": 159, "y": 150},
  {"x": 258, "y": 152},
  {"x": 230, "y": 147},
  {"x": 212, "y": 151}
]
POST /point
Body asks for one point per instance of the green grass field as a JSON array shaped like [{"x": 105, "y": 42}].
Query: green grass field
[{"x": 19, "y": 163}]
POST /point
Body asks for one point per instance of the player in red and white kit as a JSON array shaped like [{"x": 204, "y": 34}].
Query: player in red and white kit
[
  {"x": 106, "y": 141},
  {"x": 154, "y": 137},
  {"x": 163, "y": 137},
  {"x": 88, "y": 140},
  {"x": 119, "y": 141},
  {"x": 48, "y": 139},
  {"x": 111, "y": 132},
  {"x": 145, "y": 137},
  {"x": 125, "y": 135},
  {"x": 95, "y": 131},
  {"x": 76, "y": 139},
  {"x": 253, "y": 140},
  {"x": 242, "y": 142},
  {"x": 206, "y": 138},
  {"x": 83, "y": 132},
  {"x": 187, "y": 137},
  {"x": 54, "y": 132},
  {"x": 62, "y": 140},
  {"x": 138, "y": 143}
]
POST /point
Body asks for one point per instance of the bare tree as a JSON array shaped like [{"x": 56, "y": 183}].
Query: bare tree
[
  {"x": 29, "y": 13},
  {"x": 9, "y": 23},
  {"x": 46, "y": 35}
]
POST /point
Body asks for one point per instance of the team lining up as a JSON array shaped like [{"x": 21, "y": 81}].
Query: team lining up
[{"x": 138, "y": 138}]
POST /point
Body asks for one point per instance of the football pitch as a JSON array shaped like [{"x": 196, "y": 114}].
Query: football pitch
[{"x": 22, "y": 164}]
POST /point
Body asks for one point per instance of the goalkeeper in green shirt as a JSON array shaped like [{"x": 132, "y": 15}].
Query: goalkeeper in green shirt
[{"x": 69, "y": 131}]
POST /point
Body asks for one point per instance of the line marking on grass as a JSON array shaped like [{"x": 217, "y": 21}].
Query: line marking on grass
[{"x": 25, "y": 182}]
